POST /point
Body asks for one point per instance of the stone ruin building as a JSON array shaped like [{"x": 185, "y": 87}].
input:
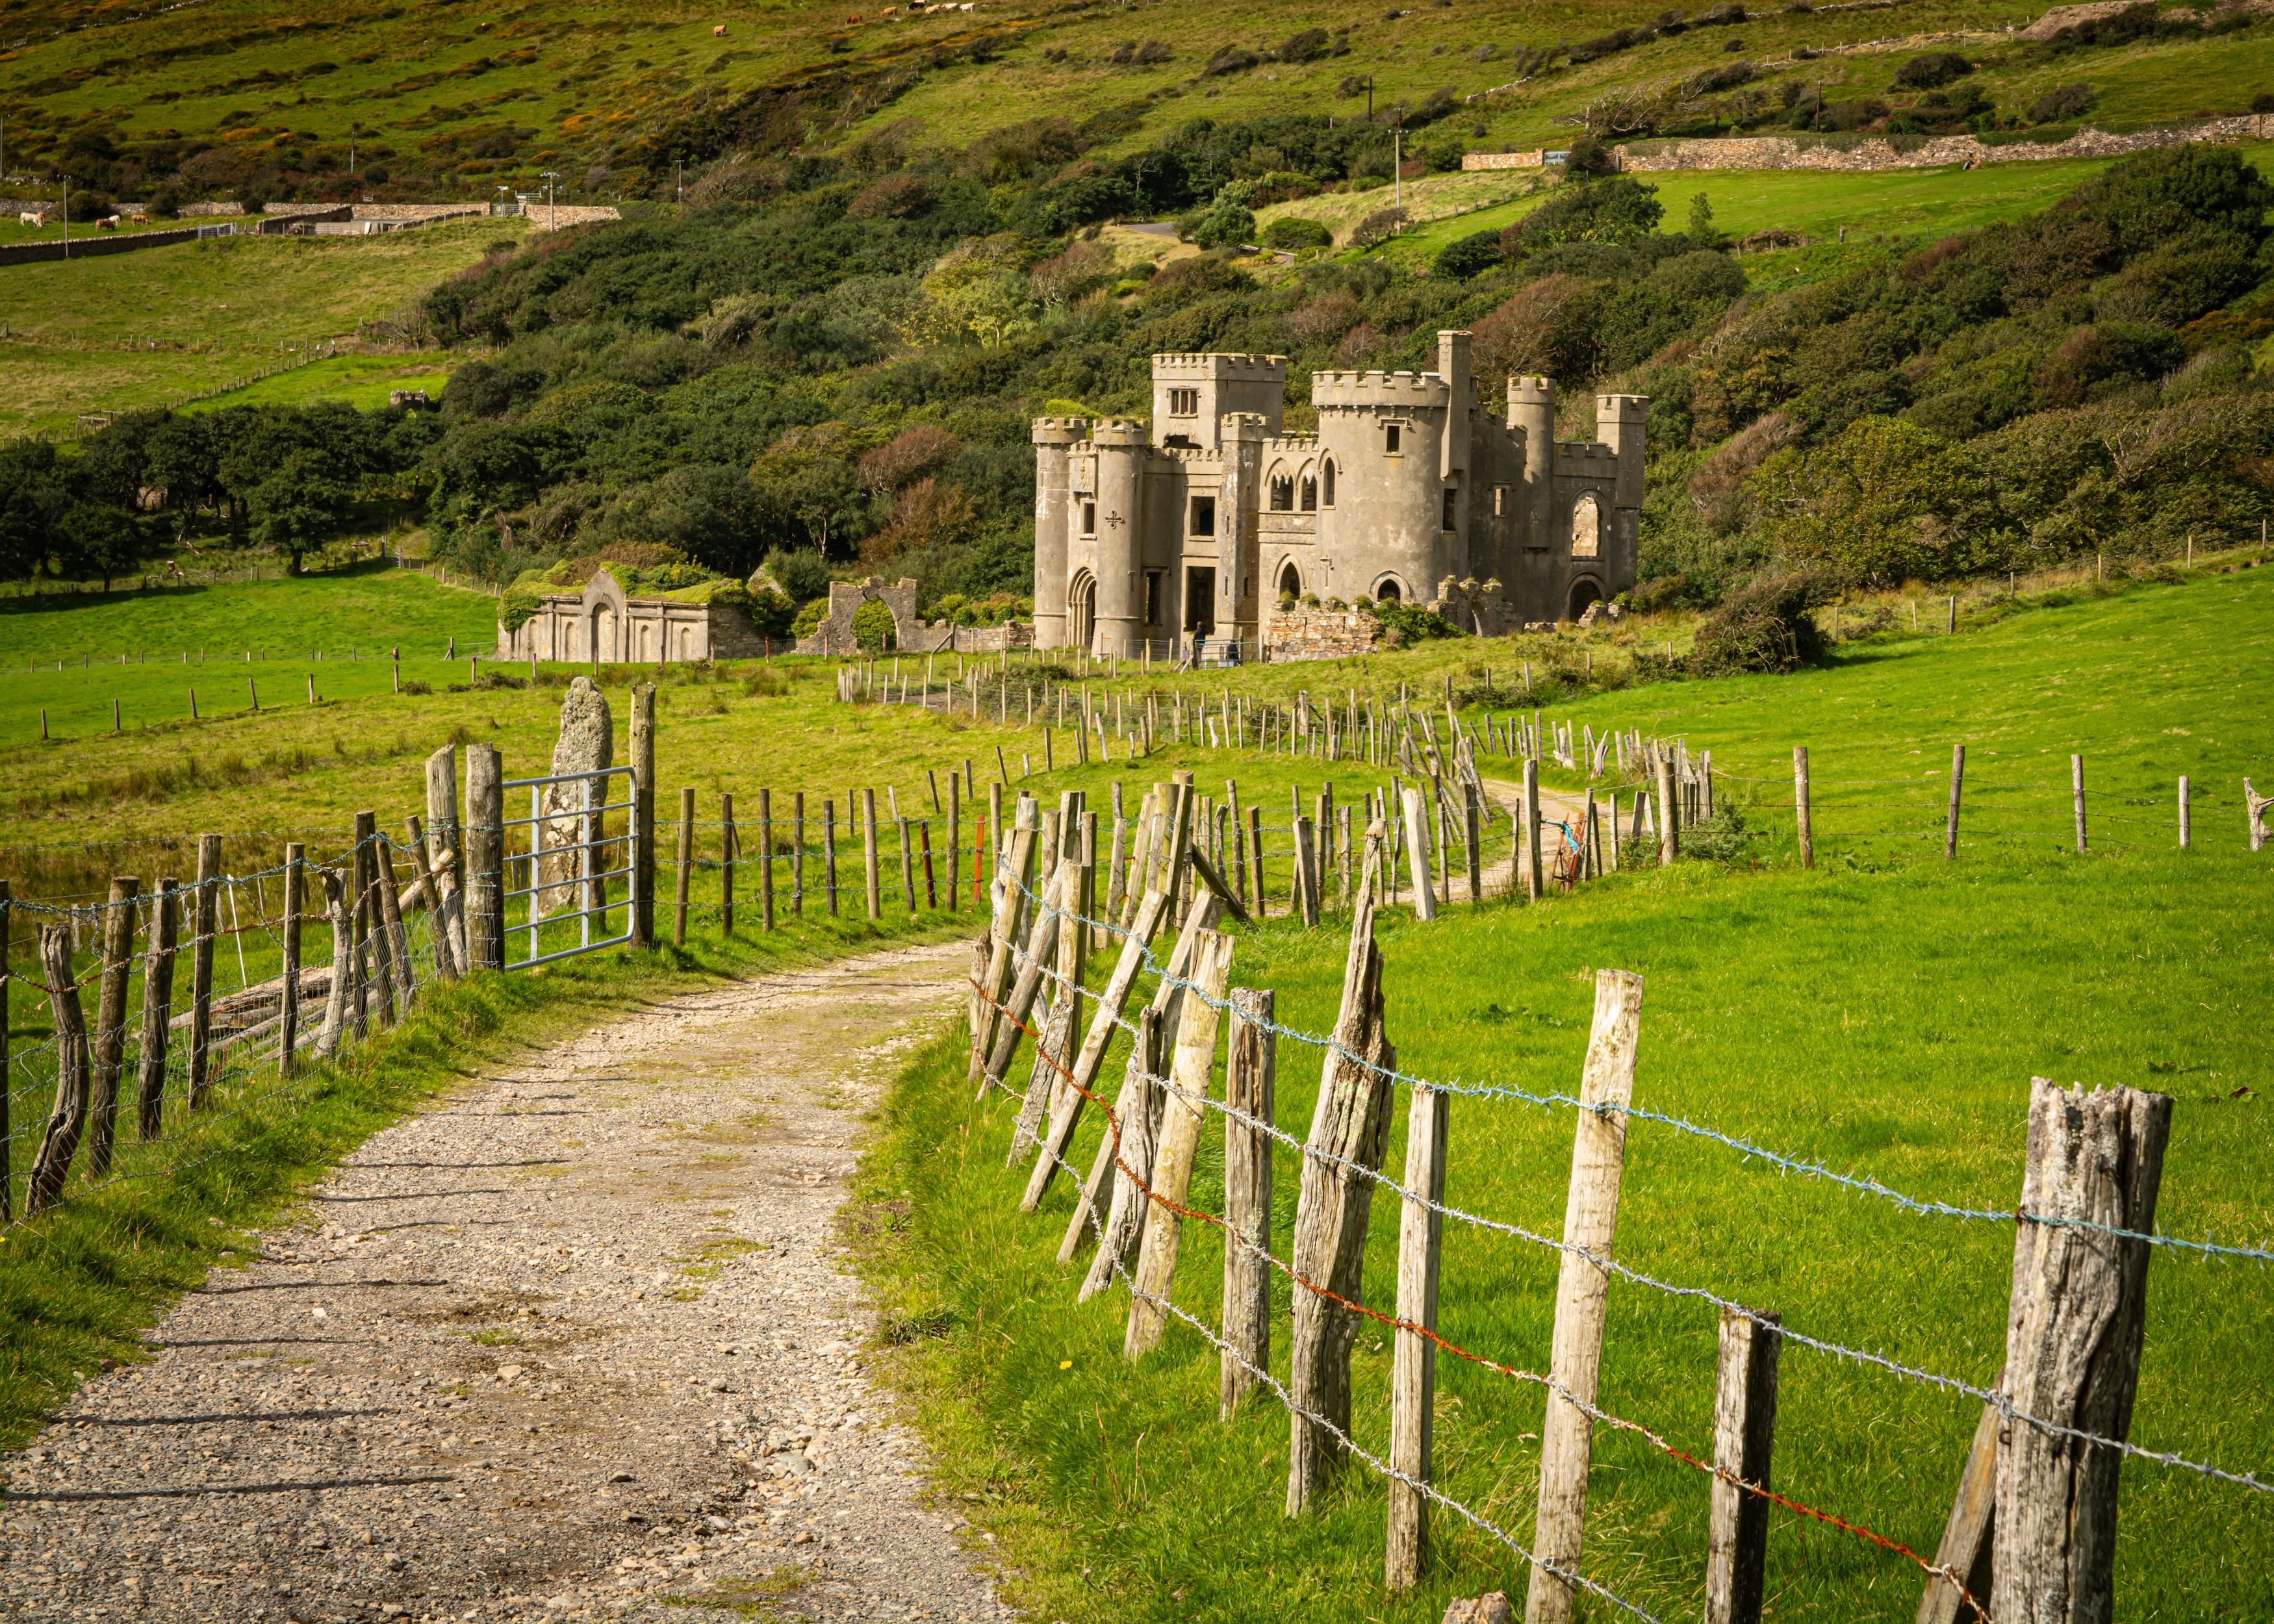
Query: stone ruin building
[
  {"x": 603, "y": 624},
  {"x": 1196, "y": 526}
]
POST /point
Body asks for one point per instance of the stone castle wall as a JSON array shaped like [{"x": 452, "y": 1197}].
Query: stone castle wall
[
  {"x": 1785, "y": 152},
  {"x": 1306, "y": 634}
]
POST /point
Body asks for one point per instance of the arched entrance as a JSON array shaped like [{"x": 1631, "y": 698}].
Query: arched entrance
[
  {"x": 600, "y": 633},
  {"x": 1081, "y": 611},
  {"x": 1290, "y": 581},
  {"x": 1389, "y": 589},
  {"x": 1583, "y": 592}
]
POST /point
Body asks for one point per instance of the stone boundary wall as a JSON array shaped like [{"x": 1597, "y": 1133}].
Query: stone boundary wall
[
  {"x": 419, "y": 211},
  {"x": 1505, "y": 160},
  {"x": 1780, "y": 151},
  {"x": 1319, "y": 634},
  {"x": 90, "y": 246},
  {"x": 567, "y": 215},
  {"x": 193, "y": 211}
]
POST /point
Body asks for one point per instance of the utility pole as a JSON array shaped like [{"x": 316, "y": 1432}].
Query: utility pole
[
  {"x": 66, "y": 216},
  {"x": 352, "y": 130},
  {"x": 552, "y": 212},
  {"x": 1397, "y": 167}
]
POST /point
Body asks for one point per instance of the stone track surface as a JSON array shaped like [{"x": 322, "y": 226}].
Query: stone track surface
[{"x": 577, "y": 1344}]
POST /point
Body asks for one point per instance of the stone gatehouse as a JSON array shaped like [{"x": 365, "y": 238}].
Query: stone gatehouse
[
  {"x": 603, "y": 624},
  {"x": 1190, "y": 526}
]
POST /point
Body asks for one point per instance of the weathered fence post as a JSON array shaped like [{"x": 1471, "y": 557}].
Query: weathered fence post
[
  {"x": 908, "y": 863},
  {"x": 109, "y": 1050},
  {"x": 336, "y": 999},
  {"x": 642, "y": 829},
  {"x": 1745, "y": 1429},
  {"x": 2253, "y": 809},
  {"x": 1255, "y": 859},
  {"x": 1035, "y": 952},
  {"x": 1351, "y": 1124},
  {"x": 1417, "y": 855},
  {"x": 371, "y": 931},
  {"x": 485, "y": 832},
  {"x": 1177, "y": 1143},
  {"x": 1414, "y": 1364},
  {"x": 1591, "y": 1215},
  {"x": 1800, "y": 806},
  {"x": 1306, "y": 873},
  {"x": 296, "y": 899},
  {"x": 207, "y": 916},
  {"x": 1965, "y": 1551},
  {"x": 2076, "y": 791},
  {"x": 1957, "y": 783},
  {"x": 157, "y": 1009},
  {"x": 686, "y": 870},
  {"x": 446, "y": 856},
  {"x": 2185, "y": 832},
  {"x": 2072, "y": 1340},
  {"x": 726, "y": 849},
  {"x": 1471, "y": 840},
  {"x": 869, "y": 852},
  {"x": 390, "y": 913},
  {"x": 1534, "y": 881},
  {"x": 766, "y": 859},
  {"x": 1670, "y": 813},
  {"x": 67, "y": 1119},
  {"x": 1002, "y": 935},
  {"x": 1250, "y": 1064}
]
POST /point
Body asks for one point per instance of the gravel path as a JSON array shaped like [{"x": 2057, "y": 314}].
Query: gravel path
[{"x": 577, "y": 1344}]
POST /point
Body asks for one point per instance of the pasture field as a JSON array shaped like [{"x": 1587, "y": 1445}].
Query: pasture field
[{"x": 140, "y": 329}]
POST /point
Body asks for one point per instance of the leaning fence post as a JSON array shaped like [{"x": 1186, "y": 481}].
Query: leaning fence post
[
  {"x": 686, "y": 863},
  {"x": 1591, "y": 1217},
  {"x": 1251, "y": 1061},
  {"x": 287, "y": 1022},
  {"x": 1800, "y": 806},
  {"x": 1417, "y": 853},
  {"x": 1413, "y": 1365},
  {"x": 1957, "y": 783},
  {"x": 201, "y": 960},
  {"x": 157, "y": 1011},
  {"x": 2073, "y": 1339},
  {"x": 67, "y": 1120},
  {"x": 336, "y": 997},
  {"x": 643, "y": 830},
  {"x": 1962, "y": 1561},
  {"x": 485, "y": 832},
  {"x": 1745, "y": 1429},
  {"x": 1176, "y": 1144},
  {"x": 371, "y": 923},
  {"x": 2076, "y": 791},
  {"x": 110, "y": 1052}
]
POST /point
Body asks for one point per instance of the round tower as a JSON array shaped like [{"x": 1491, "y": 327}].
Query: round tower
[
  {"x": 1389, "y": 520},
  {"x": 1121, "y": 544},
  {"x": 1054, "y": 439},
  {"x": 1532, "y": 407}
]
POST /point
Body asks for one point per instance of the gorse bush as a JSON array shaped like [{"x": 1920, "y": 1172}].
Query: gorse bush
[{"x": 1768, "y": 624}]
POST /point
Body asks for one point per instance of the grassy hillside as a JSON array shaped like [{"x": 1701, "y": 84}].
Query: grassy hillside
[
  {"x": 248, "y": 96},
  {"x": 136, "y": 330}
]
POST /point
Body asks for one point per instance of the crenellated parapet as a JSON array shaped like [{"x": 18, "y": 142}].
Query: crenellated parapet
[
  {"x": 1258, "y": 367},
  {"x": 1121, "y": 432},
  {"x": 1361, "y": 391},
  {"x": 1060, "y": 431}
]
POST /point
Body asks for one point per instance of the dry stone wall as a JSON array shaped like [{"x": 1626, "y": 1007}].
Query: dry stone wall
[{"x": 1784, "y": 151}]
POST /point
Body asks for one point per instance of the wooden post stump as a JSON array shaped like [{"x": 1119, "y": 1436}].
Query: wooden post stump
[
  {"x": 110, "y": 1046},
  {"x": 1251, "y": 1064},
  {"x": 207, "y": 918},
  {"x": 1800, "y": 806},
  {"x": 1182, "y": 1112},
  {"x": 1745, "y": 1430},
  {"x": 157, "y": 1002},
  {"x": 1957, "y": 785},
  {"x": 1413, "y": 1363}
]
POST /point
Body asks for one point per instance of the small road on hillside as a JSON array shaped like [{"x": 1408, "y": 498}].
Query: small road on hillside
[{"x": 577, "y": 1343}]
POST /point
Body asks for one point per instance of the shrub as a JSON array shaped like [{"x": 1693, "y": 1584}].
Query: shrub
[
  {"x": 1723, "y": 837},
  {"x": 1767, "y": 625},
  {"x": 810, "y": 618},
  {"x": 872, "y": 625},
  {"x": 1379, "y": 227},
  {"x": 2059, "y": 104},
  {"x": 1291, "y": 234},
  {"x": 1408, "y": 623},
  {"x": 1468, "y": 256},
  {"x": 1225, "y": 225},
  {"x": 1935, "y": 69}
]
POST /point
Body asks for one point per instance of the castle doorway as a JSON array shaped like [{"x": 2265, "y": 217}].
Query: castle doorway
[
  {"x": 1200, "y": 601},
  {"x": 1388, "y": 591},
  {"x": 1082, "y": 613},
  {"x": 1291, "y": 582},
  {"x": 1583, "y": 593}
]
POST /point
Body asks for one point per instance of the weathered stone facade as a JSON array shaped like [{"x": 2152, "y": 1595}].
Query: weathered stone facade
[
  {"x": 1785, "y": 152},
  {"x": 602, "y": 625},
  {"x": 835, "y": 636},
  {"x": 1144, "y": 536},
  {"x": 1306, "y": 634}
]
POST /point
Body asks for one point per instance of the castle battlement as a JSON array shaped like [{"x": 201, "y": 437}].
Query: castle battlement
[
  {"x": 1302, "y": 445},
  {"x": 1220, "y": 366},
  {"x": 1119, "y": 431},
  {"x": 1060, "y": 431},
  {"x": 1364, "y": 389}
]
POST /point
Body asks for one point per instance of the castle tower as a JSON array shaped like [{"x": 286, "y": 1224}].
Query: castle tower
[
  {"x": 1453, "y": 448},
  {"x": 1243, "y": 435},
  {"x": 1120, "y": 543},
  {"x": 1620, "y": 421},
  {"x": 1054, "y": 440},
  {"x": 1193, "y": 393},
  {"x": 1388, "y": 525},
  {"x": 1532, "y": 407}
]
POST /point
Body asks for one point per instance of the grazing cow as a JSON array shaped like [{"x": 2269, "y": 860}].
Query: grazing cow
[
  {"x": 109, "y": 223},
  {"x": 30, "y": 219},
  {"x": 719, "y": 33}
]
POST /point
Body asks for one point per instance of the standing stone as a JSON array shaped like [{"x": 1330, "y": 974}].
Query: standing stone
[{"x": 587, "y": 742}]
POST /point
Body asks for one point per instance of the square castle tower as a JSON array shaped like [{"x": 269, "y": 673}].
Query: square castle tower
[{"x": 1191, "y": 525}]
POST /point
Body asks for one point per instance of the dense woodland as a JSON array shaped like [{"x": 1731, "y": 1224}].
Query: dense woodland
[{"x": 832, "y": 360}]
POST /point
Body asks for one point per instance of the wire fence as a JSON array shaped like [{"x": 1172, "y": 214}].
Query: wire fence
[{"x": 1028, "y": 915}]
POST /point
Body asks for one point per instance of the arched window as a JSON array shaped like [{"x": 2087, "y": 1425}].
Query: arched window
[
  {"x": 1081, "y": 611},
  {"x": 1310, "y": 491},
  {"x": 1388, "y": 590},
  {"x": 1327, "y": 496},
  {"x": 1587, "y": 528},
  {"x": 1291, "y": 582},
  {"x": 1283, "y": 493}
]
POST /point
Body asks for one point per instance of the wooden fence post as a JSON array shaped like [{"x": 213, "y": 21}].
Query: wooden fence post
[
  {"x": 1003, "y": 935},
  {"x": 907, "y": 864},
  {"x": 685, "y": 871},
  {"x": 1591, "y": 1215},
  {"x": 207, "y": 916},
  {"x": 2185, "y": 832},
  {"x": 2072, "y": 1340},
  {"x": 726, "y": 849},
  {"x": 1745, "y": 1429},
  {"x": 1178, "y": 1143},
  {"x": 766, "y": 859},
  {"x": 1417, "y": 855},
  {"x": 2253, "y": 809},
  {"x": 1957, "y": 783},
  {"x": 1534, "y": 881},
  {"x": 1306, "y": 873},
  {"x": 1349, "y": 1123},
  {"x": 1414, "y": 1364},
  {"x": 1255, "y": 860},
  {"x": 868, "y": 852},
  {"x": 1670, "y": 813},
  {"x": 67, "y": 1119},
  {"x": 1250, "y": 1067},
  {"x": 1800, "y": 806},
  {"x": 1054, "y": 1050},
  {"x": 642, "y": 829},
  {"x": 370, "y": 927},
  {"x": 485, "y": 857},
  {"x": 1472, "y": 841},
  {"x": 336, "y": 1000},
  {"x": 390, "y": 913},
  {"x": 157, "y": 1009},
  {"x": 829, "y": 852},
  {"x": 446, "y": 855},
  {"x": 2076, "y": 792},
  {"x": 295, "y": 901},
  {"x": 1033, "y": 954},
  {"x": 109, "y": 1048},
  {"x": 1965, "y": 1549}
]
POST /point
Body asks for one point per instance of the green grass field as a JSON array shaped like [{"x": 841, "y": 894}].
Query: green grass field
[
  {"x": 1882, "y": 1014},
  {"x": 141, "y": 329}
]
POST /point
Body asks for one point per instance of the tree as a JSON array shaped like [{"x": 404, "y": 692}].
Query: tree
[
  {"x": 98, "y": 541},
  {"x": 1702, "y": 228},
  {"x": 31, "y": 499},
  {"x": 1886, "y": 502}
]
